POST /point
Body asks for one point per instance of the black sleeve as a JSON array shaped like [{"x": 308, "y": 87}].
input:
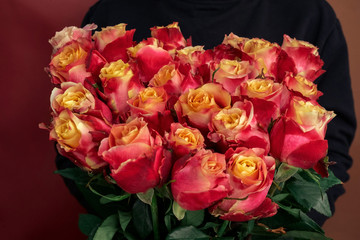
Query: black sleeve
[{"x": 335, "y": 83}]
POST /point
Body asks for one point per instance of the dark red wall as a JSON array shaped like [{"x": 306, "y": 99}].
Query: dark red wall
[{"x": 34, "y": 202}]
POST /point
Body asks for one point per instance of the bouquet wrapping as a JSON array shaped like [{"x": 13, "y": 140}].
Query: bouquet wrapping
[{"x": 172, "y": 141}]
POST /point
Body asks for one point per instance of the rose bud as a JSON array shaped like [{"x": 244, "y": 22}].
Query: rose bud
[
  {"x": 78, "y": 99},
  {"x": 68, "y": 64},
  {"x": 298, "y": 137},
  {"x": 231, "y": 73},
  {"x": 112, "y": 42},
  {"x": 302, "y": 87},
  {"x": 78, "y": 138},
  {"x": 269, "y": 98},
  {"x": 137, "y": 160},
  {"x": 196, "y": 106},
  {"x": 184, "y": 140},
  {"x": 115, "y": 78},
  {"x": 200, "y": 181},
  {"x": 170, "y": 37},
  {"x": 251, "y": 175},
  {"x": 234, "y": 41},
  {"x": 236, "y": 127},
  {"x": 305, "y": 57}
]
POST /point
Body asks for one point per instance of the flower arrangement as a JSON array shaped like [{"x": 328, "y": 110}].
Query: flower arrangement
[{"x": 172, "y": 141}]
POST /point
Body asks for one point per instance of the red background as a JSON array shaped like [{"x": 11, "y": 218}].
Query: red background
[{"x": 35, "y": 203}]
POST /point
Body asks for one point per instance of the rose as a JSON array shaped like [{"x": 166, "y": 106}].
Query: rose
[
  {"x": 69, "y": 64},
  {"x": 251, "y": 175},
  {"x": 236, "y": 127},
  {"x": 78, "y": 99},
  {"x": 112, "y": 42},
  {"x": 115, "y": 78},
  {"x": 231, "y": 73},
  {"x": 298, "y": 137},
  {"x": 150, "y": 103},
  {"x": 170, "y": 37},
  {"x": 199, "y": 181},
  {"x": 196, "y": 106},
  {"x": 184, "y": 140},
  {"x": 302, "y": 87},
  {"x": 305, "y": 57},
  {"x": 69, "y": 34},
  {"x": 263, "y": 52},
  {"x": 137, "y": 160},
  {"x": 268, "y": 97},
  {"x": 78, "y": 137}
]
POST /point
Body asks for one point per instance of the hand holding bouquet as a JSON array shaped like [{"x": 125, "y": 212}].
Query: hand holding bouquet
[{"x": 178, "y": 142}]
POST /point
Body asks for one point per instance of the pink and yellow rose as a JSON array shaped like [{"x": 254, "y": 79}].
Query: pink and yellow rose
[
  {"x": 112, "y": 42},
  {"x": 68, "y": 64},
  {"x": 184, "y": 140},
  {"x": 78, "y": 138},
  {"x": 200, "y": 181},
  {"x": 251, "y": 175},
  {"x": 298, "y": 137},
  {"x": 305, "y": 57},
  {"x": 137, "y": 159},
  {"x": 237, "y": 127}
]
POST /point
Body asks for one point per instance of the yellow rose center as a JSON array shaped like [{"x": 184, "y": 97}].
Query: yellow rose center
[
  {"x": 69, "y": 55},
  {"x": 117, "y": 69},
  {"x": 306, "y": 84},
  {"x": 199, "y": 99},
  {"x": 211, "y": 166},
  {"x": 67, "y": 132},
  {"x": 187, "y": 135},
  {"x": 232, "y": 118},
  {"x": 123, "y": 134},
  {"x": 233, "y": 67},
  {"x": 308, "y": 113},
  {"x": 163, "y": 76},
  {"x": 259, "y": 88},
  {"x": 245, "y": 167},
  {"x": 254, "y": 45}
]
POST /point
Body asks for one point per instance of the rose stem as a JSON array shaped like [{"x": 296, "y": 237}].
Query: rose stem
[
  {"x": 154, "y": 215},
  {"x": 222, "y": 228}
]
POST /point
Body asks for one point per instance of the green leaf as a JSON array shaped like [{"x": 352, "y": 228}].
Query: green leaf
[
  {"x": 108, "y": 228},
  {"x": 187, "y": 233},
  {"x": 279, "y": 197},
  {"x": 178, "y": 211},
  {"x": 306, "y": 193},
  {"x": 302, "y": 217},
  {"x": 284, "y": 172},
  {"x": 305, "y": 235},
  {"x": 210, "y": 225},
  {"x": 141, "y": 215},
  {"x": 87, "y": 222},
  {"x": 111, "y": 197},
  {"x": 323, "y": 206},
  {"x": 124, "y": 219},
  {"x": 329, "y": 182},
  {"x": 194, "y": 218},
  {"x": 147, "y": 196},
  {"x": 76, "y": 174}
]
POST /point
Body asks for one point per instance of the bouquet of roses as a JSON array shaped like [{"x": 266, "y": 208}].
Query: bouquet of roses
[{"x": 172, "y": 141}]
